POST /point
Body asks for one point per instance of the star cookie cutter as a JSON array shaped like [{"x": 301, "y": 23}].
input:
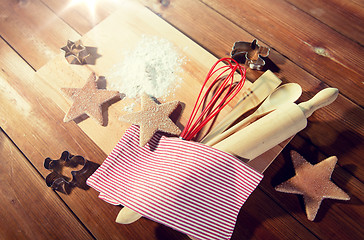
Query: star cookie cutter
[
  {"x": 59, "y": 182},
  {"x": 75, "y": 52},
  {"x": 250, "y": 54}
]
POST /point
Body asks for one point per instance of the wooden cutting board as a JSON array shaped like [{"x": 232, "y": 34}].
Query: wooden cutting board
[{"x": 113, "y": 38}]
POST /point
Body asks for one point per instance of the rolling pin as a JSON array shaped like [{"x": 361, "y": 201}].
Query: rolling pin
[
  {"x": 252, "y": 97},
  {"x": 275, "y": 127},
  {"x": 262, "y": 135}
]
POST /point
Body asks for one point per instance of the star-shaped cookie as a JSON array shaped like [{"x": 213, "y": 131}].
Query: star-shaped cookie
[
  {"x": 313, "y": 182},
  {"x": 75, "y": 52},
  {"x": 88, "y": 100},
  {"x": 152, "y": 118}
]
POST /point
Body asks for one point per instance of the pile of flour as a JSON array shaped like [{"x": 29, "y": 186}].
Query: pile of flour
[{"x": 152, "y": 67}]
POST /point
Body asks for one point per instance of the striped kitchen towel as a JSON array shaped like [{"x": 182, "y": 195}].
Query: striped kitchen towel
[{"x": 188, "y": 186}]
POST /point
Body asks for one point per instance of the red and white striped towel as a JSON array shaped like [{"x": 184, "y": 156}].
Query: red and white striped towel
[{"x": 188, "y": 186}]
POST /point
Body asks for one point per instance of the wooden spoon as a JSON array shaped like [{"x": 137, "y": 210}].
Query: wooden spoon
[
  {"x": 251, "y": 98},
  {"x": 277, "y": 126},
  {"x": 289, "y": 92}
]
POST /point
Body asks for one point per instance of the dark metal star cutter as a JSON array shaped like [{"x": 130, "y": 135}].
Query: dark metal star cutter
[{"x": 250, "y": 54}]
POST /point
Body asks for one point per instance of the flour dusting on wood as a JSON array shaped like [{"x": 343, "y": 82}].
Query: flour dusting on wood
[{"x": 152, "y": 67}]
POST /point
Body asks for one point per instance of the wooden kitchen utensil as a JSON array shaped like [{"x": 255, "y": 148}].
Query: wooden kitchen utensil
[
  {"x": 127, "y": 216},
  {"x": 286, "y": 93},
  {"x": 251, "y": 98},
  {"x": 226, "y": 91},
  {"x": 266, "y": 133},
  {"x": 182, "y": 184},
  {"x": 275, "y": 127}
]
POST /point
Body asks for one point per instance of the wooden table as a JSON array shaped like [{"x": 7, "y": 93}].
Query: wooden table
[{"x": 312, "y": 43}]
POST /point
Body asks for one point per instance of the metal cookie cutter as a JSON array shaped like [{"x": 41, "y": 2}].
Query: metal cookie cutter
[
  {"x": 250, "y": 54},
  {"x": 59, "y": 182},
  {"x": 75, "y": 52}
]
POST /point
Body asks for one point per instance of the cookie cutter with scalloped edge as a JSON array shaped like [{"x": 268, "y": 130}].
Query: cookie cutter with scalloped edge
[
  {"x": 59, "y": 182},
  {"x": 75, "y": 52},
  {"x": 250, "y": 53}
]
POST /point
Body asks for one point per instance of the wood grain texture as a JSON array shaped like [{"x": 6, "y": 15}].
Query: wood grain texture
[
  {"x": 32, "y": 29},
  {"x": 149, "y": 24},
  {"x": 344, "y": 16},
  {"x": 330, "y": 128},
  {"x": 314, "y": 46},
  {"x": 28, "y": 209},
  {"x": 258, "y": 222},
  {"x": 41, "y": 133},
  {"x": 126, "y": 34},
  {"x": 33, "y": 118},
  {"x": 83, "y": 15},
  {"x": 333, "y": 214}
]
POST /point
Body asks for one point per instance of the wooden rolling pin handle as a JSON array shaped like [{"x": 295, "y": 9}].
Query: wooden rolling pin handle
[
  {"x": 321, "y": 99},
  {"x": 127, "y": 216}
]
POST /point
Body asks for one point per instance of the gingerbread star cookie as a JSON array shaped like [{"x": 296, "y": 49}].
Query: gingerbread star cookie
[
  {"x": 313, "y": 182},
  {"x": 152, "y": 118},
  {"x": 88, "y": 100}
]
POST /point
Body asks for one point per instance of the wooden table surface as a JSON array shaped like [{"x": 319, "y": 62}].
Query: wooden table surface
[{"x": 314, "y": 43}]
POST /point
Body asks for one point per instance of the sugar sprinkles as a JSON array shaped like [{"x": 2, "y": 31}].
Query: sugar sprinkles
[{"x": 152, "y": 67}]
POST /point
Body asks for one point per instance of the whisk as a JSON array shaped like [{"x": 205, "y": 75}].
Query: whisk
[{"x": 225, "y": 92}]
